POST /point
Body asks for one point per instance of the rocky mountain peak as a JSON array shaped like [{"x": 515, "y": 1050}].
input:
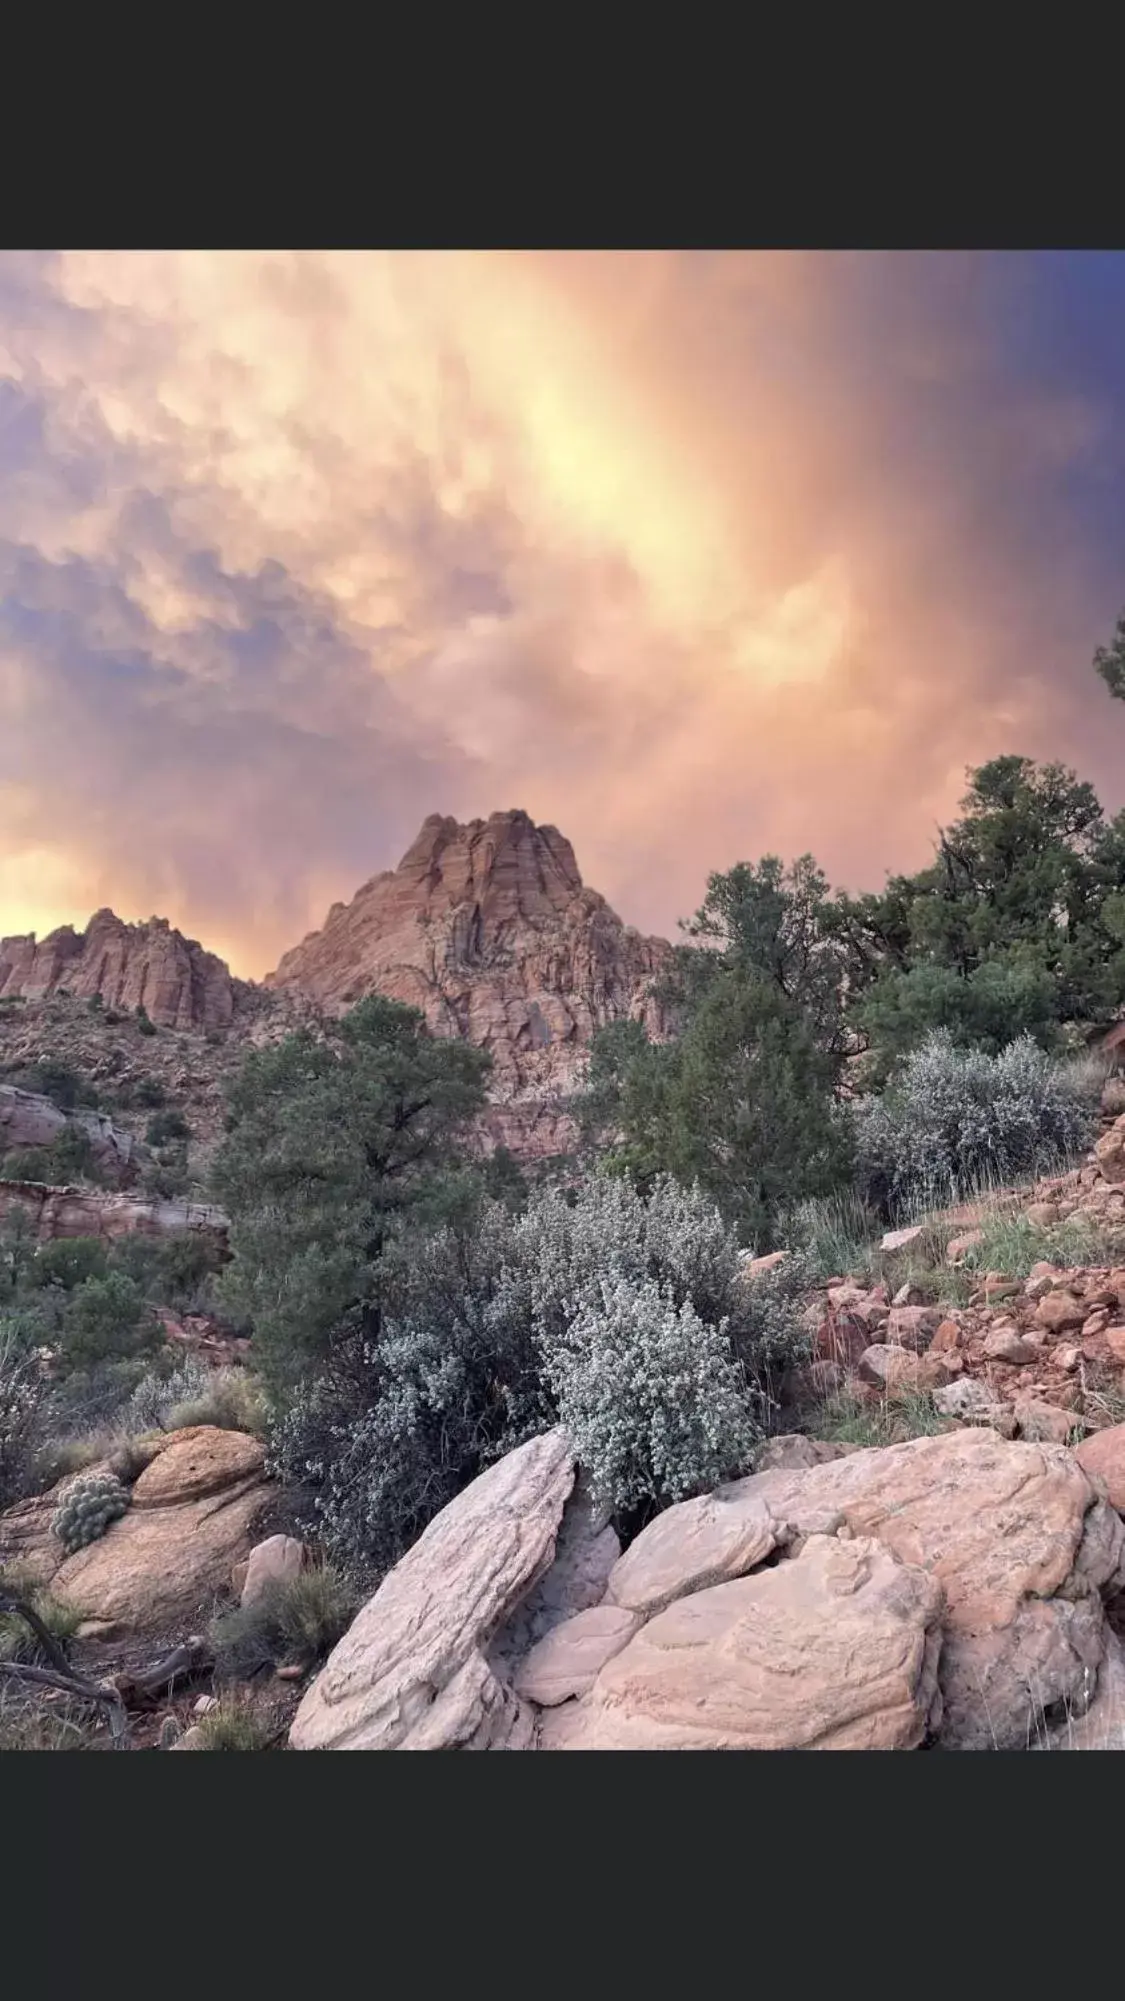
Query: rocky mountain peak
[
  {"x": 128, "y": 966},
  {"x": 486, "y": 926}
]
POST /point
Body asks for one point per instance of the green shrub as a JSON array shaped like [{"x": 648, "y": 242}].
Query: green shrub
[
  {"x": 69, "y": 1262},
  {"x": 651, "y": 1396},
  {"x": 49, "y": 1078},
  {"x": 147, "y": 1093},
  {"x": 107, "y": 1320},
  {"x": 165, "y": 1126},
  {"x": 86, "y": 1509},
  {"x": 172, "y": 1270},
  {"x": 237, "y": 1726},
  {"x": 232, "y": 1399},
  {"x": 956, "y": 1117},
  {"x": 18, "y": 1640},
  {"x": 465, "y": 1367},
  {"x": 23, "y": 1410},
  {"x": 292, "y": 1624},
  {"x": 144, "y": 1024},
  {"x": 68, "y": 1158}
]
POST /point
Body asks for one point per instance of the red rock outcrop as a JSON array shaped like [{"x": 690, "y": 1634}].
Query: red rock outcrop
[
  {"x": 93, "y": 1212},
  {"x": 150, "y": 965},
  {"x": 488, "y": 929},
  {"x": 29, "y": 1120}
]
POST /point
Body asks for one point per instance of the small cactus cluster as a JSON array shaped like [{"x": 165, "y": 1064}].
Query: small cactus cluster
[{"x": 86, "y": 1509}]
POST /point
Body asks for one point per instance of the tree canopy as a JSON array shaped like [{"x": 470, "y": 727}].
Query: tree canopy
[{"x": 332, "y": 1145}]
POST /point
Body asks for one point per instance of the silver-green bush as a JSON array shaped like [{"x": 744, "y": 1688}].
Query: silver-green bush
[
  {"x": 956, "y": 1119},
  {"x": 651, "y": 1395},
  {"x": 495, "y": 1328}
]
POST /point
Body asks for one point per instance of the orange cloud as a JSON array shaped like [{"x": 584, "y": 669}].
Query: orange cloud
[{"x": 694, "y": 555}]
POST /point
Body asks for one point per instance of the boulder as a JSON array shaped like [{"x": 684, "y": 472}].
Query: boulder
[
  {"x": 835, "y": 1650},
  {"x": 1059, "y": 1310},
  {"x": 900, "y": 1240},
  {"x": 566, "y": 1663},
  {"x": 1102, "y": 1727},
  {"x": 1021, "y": 1544},
  {"x": 1109, "y": 1152},
  {"x": 897, "y": 1370},
  {"x": 958, "y": 1247},
  {"x": 972, "y": 1402},
  {"x": 161, "y": 1566},
  {"x": 694, "y": 1544},
  {"x": 1003, "y": 1344},
  {"x": 1102, "y": 1456},
  {"x": 792, "y": 1451},
  {"x": 912, "y": 1326},
  {"x": 1045, "y": 1422},
  {"x": 277, "y": 1560},
  {"x": 200, "y": 1461},
  {"x": 411, "y": 1672}
]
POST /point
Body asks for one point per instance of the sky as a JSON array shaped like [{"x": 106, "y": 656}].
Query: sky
[{"x": 697, "y": 556}]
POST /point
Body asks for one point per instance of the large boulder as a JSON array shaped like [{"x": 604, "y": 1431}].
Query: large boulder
[
  {"x": 1022, "y": 1545},
  {"x": 412, "y": 1671},
  {"x": 170, "y": 1555},
  {"x": 948, "y": 1590},
  {"x": 836, "y": 1650}
]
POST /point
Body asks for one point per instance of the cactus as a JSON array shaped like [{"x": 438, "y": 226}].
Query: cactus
[{"x": 86, "y": 1509}]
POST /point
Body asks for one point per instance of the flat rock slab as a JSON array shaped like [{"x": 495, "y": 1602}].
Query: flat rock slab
[
  {"x": 691, "y": 1545},
  {"x": 411, "y": 1673},
  {"x": 1021, "y": 1545},
  {"x": 568, "y": 1661},
  {"x": 834, "y": 1650}
]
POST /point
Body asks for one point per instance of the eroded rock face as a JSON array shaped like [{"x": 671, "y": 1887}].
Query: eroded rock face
[
  {"x": 93, "y": 1212},
  {"x": 835, "y": 1650},
  {"x": 128, "y": 966},
  {"x": 1021, "y": 1545},
  {"x": 488, "y": 929},
  {"x": 30, "y": 1120},
  {"x": 411, "y": 1673}
]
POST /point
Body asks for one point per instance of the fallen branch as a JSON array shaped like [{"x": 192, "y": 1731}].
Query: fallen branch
[
  {"x": 60, "y": 1675},
  {"x": 142, "y": 1686}
]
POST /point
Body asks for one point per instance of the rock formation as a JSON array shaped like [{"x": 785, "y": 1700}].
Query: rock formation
[
  {"x": 487, "y": 928},
  {"x": 93, "y": 1212},
  {"x": 128, "y": 966},
  {"x": 170, "y": 1556},
  {"x": 949, "y": 1590},
  {"x": 28, "y": 1119}
]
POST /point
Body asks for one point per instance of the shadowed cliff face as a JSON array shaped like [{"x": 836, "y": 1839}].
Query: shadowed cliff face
[{"x": 485, "y": 927}]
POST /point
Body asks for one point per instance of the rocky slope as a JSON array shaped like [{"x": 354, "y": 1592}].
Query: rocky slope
[
  {"x": 128, "y": 966},
  {"x": 489, "y": 930}
]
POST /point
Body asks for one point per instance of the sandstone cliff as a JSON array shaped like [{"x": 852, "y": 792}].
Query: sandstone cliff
[
  {"x": 488, "y": 929},
  {"x": 29, "y": 1120},
  {"x": 150, "y": 965},
  {"x": 96, "y": 1212}
]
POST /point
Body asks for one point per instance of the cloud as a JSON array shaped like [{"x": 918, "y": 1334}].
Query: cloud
[{"x": 694, "y": 555}]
